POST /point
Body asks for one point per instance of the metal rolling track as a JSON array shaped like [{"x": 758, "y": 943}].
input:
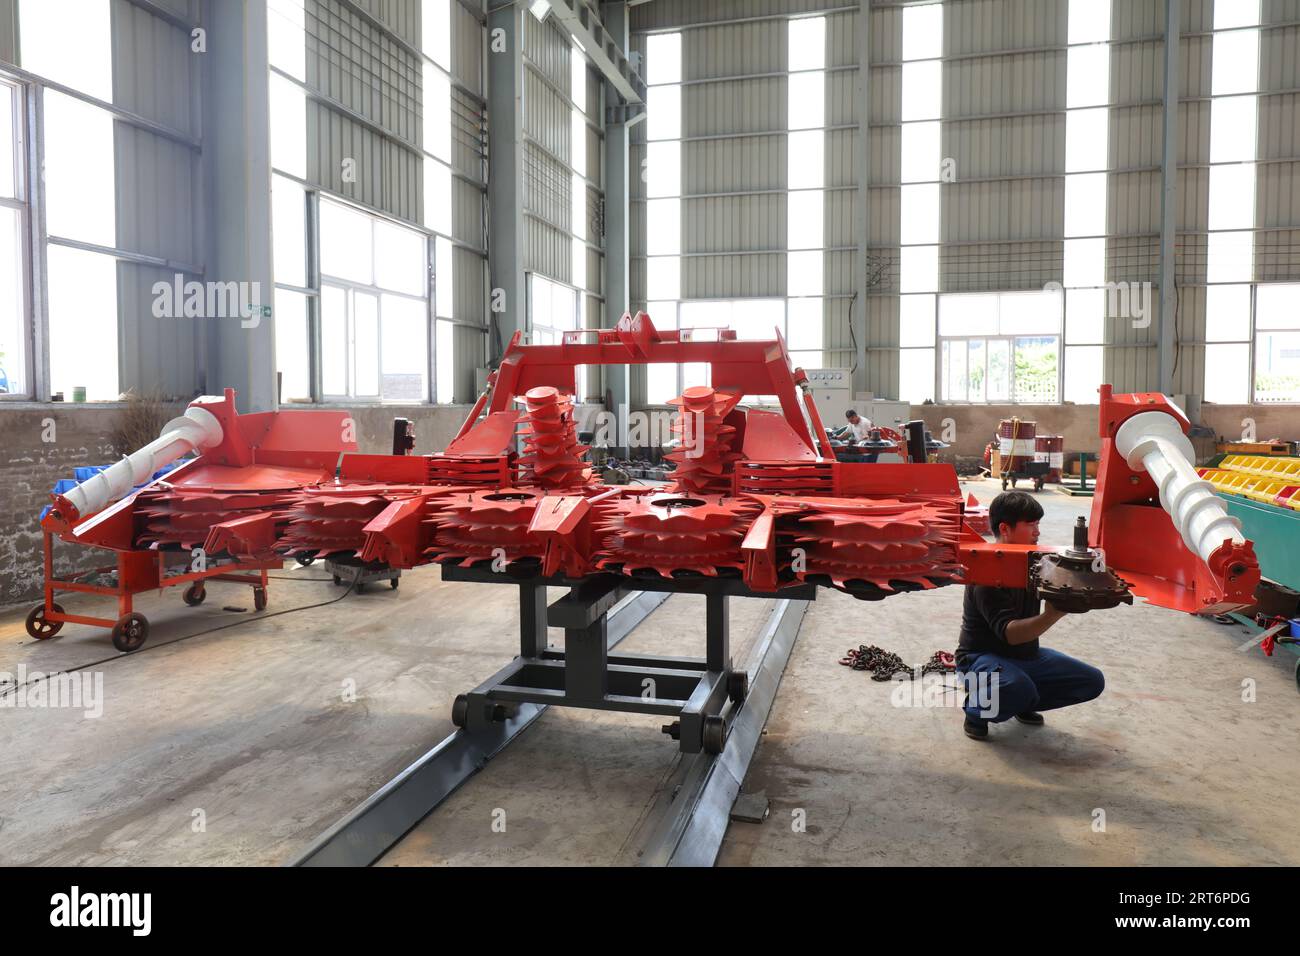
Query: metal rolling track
[
  {"x": 689, "y": 830},
  {"x": 686, "y": 830},
  {"x": 369, "y": 831}
]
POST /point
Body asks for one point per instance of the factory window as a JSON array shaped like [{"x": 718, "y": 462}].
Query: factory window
[
  {"x": 552, "y": 310},
  {"x": 1000, "y": 347},
  {"x": 79, "y": 195},
  {"x": 286, "y": 37},
  {"x": 374, "y": 307},
  {"x": 14, "y": 328},
  {"x": 68, "y": 43},
  {"x": 1277, "y": 343},
  {"x": 1085, "y": 312},
  {"x": 83, "y": 337},
  {"x": 798, "y": 320},
  {"x": 288, "y": 106}
]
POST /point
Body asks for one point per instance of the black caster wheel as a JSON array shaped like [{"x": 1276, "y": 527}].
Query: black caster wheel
[
  {"x": 1038, "y": 486},
  {"x": 1004, "y": 484},
  {"x": 304, "y": 560},
  {"x": 130, "y": 632},
  {"x": 715, "y": 735},
  {"x": 39, "y": 626},
  {"x": 392, "y": 583},
  {"x": 361, "y": 587},
  {"x": 195, "y": 594},
  {"x": 459, "y": 710},
  {"x": 337, "y": 580},
  {"x": 737, "y": 686},
  {"x": 1297, "y": 672},
  {"x": 259, "y": 599}
]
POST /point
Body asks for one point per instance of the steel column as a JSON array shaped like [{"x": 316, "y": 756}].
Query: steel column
[
  {"x": 505, "y": 74},
  {"x": 1167, "y": 331},
  {"x": 617, "y": 239}
]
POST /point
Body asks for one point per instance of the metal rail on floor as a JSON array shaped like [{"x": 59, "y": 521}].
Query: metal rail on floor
[
  {"x": 704, "y": 788},
  {"x": 369, "y": 831}
]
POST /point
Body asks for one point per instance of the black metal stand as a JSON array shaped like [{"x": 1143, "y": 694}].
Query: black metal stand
[{"x": 693, "y": 691}]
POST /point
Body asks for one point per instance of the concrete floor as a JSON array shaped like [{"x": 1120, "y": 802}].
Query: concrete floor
[{"x": 250, "y": 726}]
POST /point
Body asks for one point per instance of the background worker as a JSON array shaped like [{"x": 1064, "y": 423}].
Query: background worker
[{"x": 1000, "y": 628}]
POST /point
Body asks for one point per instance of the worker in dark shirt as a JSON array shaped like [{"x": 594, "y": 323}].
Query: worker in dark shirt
[{"x": 1007, "y": 673}]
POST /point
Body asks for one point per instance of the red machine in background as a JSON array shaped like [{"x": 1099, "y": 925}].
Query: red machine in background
[{"x": 757, "y": 498}]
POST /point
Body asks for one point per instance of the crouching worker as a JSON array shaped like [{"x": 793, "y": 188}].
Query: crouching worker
[{"x": 1007, "y": 674}]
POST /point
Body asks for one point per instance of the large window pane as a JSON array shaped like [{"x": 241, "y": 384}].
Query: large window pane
[
  {"x": 805, "y": 330},
  {"x": 807, "y": 105},
  {"x": 664, "y": 277},
  {"x": 804, "y": 273},
  {"x": 1236, "y": 61},
  {"x": 83, "y": 323},
  {"x": 915, "y": 320},
  {"x": 334, "y": 341},
  {"x": 80, "y": 189},
  {"x": 1085, "y": 262},
  {"x": 921, "y": 152},
  {"x": 1232, "y": 196},
  {"x": 998, "y": 387},
  {"x": 365, "y": 344},
  {"x": 968, "y": 315},
  {"x": 923, "y": 32},
  {"x": 664, "y": 112},
  {"x": 286, "y": 25},
  {"x": 663, "y": 169},
  {"x": 446, "y": 361},
  {"x": 663, "y": 58},
  {"x": 1277, "y": 366},
  {"x": 1234, "y": 121},
  {"x": 916, "y": 375},
  {"x": 288, "y": 127},
  {"x": 1231, "y": 257},
  {"x": 401, "y": 259},
  {"x": 445, "y": 278},
  {"x": 289, "y": 231},
  {"x": 807, "y": 44},
  {"x": 1086, "y": 135},
  {"x": 1035, "y": 379},
  {"x": 1227, "y": 313},
  {"x": 292, "y": 346},
  {"x": 346, "y": 243},
  {"x": 922, "y": 96},
  {"x": 68, "y": 42},
  {"x": 1083, "y": 373},
  {"x": 1085, "y": 204},
  {"x": 405, "y": 349},
  {"x": 1029, "y": 312},
  {"x": 663, "y": 227},
  {"x": 1089, "y": 21},
  {"x": 13, "y": 308},
  {"x": 1085, "y": 316},
  {"x": 918, "y": 269},
  {"x": 1227, "y": 374},
  {"x": 1277, "y": 306},
  {"x": 806, "y": 159},
  {"x": 435, "y": 23},
  {"x": 1087, "y": 80},
  {"x": 804, "y": 219},
  {"x": 10, "y": 121},
  {"x": 920, "y": 218},
  {"x": 437, "y": 112},
  {"x": 437, "y": 196}
]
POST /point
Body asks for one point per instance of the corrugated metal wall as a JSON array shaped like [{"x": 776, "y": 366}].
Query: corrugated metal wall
[
  {"x": 548, "y": 162},
  {"x": 1004, "y": 83}
]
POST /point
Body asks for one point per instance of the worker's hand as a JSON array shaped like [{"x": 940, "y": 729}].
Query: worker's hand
[{"x": 1058, "y": 612}]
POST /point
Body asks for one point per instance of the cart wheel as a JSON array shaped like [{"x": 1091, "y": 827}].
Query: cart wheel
[
  {"x": 39, "y": 627},
  {"x": 392, "y": 583},
  {"x": 361, "y": 586},
  {"x": 130, "y": 632},
  {"x": 1297, "y": 671},
  {"x": 715, "y": 735},
  {"x": 195, "y": 594},
  {"x": 459, "y": 710},
  {"x": 305, "y": 560},
  {"x": 737, "y": 686},
  {"x": 337, "y": 580},
  {"x": 259, "y": 599},
  {"x": 1004, "y": 484},
  {"x": 1038, "y": 484}
]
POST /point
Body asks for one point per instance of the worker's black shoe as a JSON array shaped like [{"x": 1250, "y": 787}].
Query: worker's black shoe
[
  {"x": 976, "y": 729},
  {"x": 1031, "y": 717}
]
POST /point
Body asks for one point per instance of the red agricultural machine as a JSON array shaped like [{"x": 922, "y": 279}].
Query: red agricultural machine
[{"x": 757, "y": 506}]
